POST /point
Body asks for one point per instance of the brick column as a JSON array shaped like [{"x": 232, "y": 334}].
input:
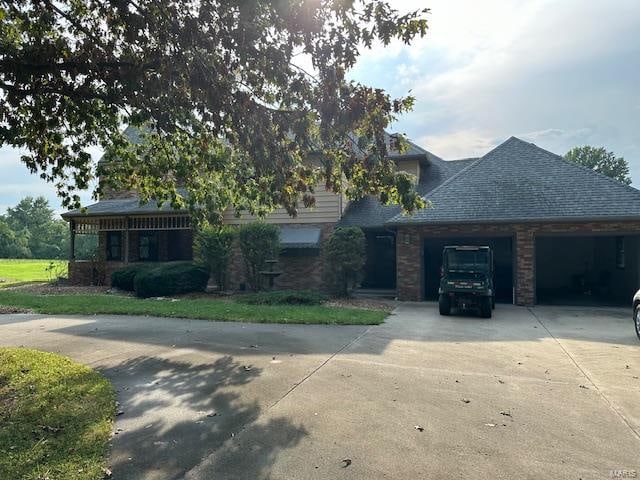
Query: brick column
[
  {"x": 409, "y": 264},
  {"x": 525, "y": 260}
]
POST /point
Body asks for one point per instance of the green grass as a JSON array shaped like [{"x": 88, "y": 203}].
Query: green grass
[
  {"x": 14, "y": 272},
  {"x": 198, "y": 308},
  {"x": 283, "y": 297},
  {"x": 55, "y": 417}
]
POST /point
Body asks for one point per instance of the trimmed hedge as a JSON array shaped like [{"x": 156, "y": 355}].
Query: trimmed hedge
[
  {"x": 171, "y": 279},
  {"x": 124, "y": 277},
  {"x": 284, "y": 297}
]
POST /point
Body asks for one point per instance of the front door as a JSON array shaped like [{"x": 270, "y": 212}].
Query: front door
[{"x": 380, "y": 267}]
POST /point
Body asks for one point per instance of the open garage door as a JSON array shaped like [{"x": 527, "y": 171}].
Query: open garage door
[
  {"x": 502, "y": 258},
  {"x": 587, "y": 270}
]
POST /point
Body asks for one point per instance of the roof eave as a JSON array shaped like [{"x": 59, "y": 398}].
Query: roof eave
[
  {"x": 69, "y": 215},
  {"x": 568, "y": 219}
]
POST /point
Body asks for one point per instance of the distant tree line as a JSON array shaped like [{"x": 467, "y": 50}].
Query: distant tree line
[{"x": 32, "y": 230}]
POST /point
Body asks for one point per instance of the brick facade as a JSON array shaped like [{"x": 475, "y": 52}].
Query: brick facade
[
  {"x": 409, "y": 249},
  {"x": 172, "y": 246},
  {"x": 299, "y": 271},
  {"x": 87, "y": 272}
]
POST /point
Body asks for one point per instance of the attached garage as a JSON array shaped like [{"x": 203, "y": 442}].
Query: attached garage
[
  {"x": 586, "y": 269},
  {"x": 561, "y": 233}
]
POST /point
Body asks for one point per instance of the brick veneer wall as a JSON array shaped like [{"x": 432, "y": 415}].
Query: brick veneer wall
[
  {"x": 409, "y": 249},
  {"x": 86, "y": 272},
  {"x": 298, "y": 272}
]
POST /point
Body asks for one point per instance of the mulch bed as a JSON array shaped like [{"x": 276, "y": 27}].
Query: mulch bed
[
  {"x": 55, "y": 289},
  {"x": 6, "y": 309}
]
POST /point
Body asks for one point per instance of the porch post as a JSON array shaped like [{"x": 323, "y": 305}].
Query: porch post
[
  {"x": 72, "y": 242},
  {"x": 126, "y": 239}
]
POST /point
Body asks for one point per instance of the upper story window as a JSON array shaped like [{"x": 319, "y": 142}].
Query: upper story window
[
  {"x": 148, "y": 246},
  {"x": 114, "y": 245}
]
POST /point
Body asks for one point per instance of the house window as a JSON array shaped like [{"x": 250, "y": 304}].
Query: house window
[
  {"x": 620, "y": 257},
  {"x": 114, "y": 245},
  {"x": 148, "y": 246}
]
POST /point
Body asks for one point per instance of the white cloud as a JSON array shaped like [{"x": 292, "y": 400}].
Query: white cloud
[
  {"x": 558, "y": 74},
  {"x": 459, "y": 144}
]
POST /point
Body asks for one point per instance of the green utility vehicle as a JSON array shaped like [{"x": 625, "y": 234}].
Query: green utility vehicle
[{"x": 467, "y": 280}]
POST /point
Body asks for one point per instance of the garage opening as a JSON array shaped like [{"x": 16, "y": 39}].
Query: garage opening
[
  {"x": 587, "y": 270},
  {"x": 502, "y": 258}
]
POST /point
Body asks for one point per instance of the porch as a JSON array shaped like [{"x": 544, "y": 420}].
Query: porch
[{"x": 124, "y": 239}]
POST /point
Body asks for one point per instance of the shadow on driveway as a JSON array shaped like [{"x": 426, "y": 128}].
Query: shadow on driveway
[{"x": 175, "y": 413}]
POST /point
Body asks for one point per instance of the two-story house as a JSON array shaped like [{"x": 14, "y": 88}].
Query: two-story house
[{"x": 559, "y": 232}]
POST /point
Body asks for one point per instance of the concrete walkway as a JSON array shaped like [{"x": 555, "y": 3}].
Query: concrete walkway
[{"x": 549, "y": 392}]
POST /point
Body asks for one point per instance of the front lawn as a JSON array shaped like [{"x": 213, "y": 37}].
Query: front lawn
[
  {"x": 14, "y": 271},
  {"x": 55, "y": 417},
  {"x": 197, "y": 308}
]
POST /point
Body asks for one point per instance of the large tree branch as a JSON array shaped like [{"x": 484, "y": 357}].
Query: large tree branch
[{"x": 68, "y": 92}]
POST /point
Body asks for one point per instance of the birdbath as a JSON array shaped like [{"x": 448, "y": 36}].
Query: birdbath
[{"x": 271, "y": 274}]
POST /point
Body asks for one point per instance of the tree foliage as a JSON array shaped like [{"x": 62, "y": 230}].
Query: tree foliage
[
  {"x": 13, "y": 244},
  {"x": 602, "y": 161},
  {"x": 345, "y": 252},
  {"x": 46, "y": 236},
  {"x": 230, "y": 111},
  {"x": 32, "y": 230},
  {"x": 213, "y": 246},
  {"x": 259, "y": 242},
  {"x": 170, "y": 279}
]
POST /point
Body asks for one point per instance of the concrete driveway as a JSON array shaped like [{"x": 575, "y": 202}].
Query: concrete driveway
[{"x": 549, "y": 392}]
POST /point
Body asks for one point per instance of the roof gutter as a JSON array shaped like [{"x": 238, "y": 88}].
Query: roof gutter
[{"x": 69, "y": 215}]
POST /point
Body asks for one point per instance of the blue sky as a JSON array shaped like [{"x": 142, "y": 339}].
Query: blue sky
[{"x": 556, "y": 73}]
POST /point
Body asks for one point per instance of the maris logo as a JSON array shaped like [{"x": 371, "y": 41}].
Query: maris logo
[{"x": 623, "y": 474}]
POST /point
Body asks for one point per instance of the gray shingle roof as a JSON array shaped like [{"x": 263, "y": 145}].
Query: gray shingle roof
[
  {"x": 518, "y": 181},
  {"x": 124, "y": 206},
  {"x": 368, "y": 212}
]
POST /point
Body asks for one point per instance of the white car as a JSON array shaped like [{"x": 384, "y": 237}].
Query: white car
[{"x": 636, "y": 312}]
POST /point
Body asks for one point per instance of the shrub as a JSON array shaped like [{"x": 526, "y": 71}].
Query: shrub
[
  {"x": 213, "y": 247},
  {"x": 259, "y": 242},
  {"x": 171, "y": 279},
  {"x": 124, "y": 277},
  {"x": 284, "y": 297},
  {"x": 345, "y": 253}
]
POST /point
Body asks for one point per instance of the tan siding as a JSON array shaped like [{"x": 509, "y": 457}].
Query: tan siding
[
  {"x": 410, "y": 166},
  {"x": 327, "y": 210}
]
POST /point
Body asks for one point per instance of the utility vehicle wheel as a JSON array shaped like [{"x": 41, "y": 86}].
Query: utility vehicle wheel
[
  {"x": 485, "y": 307},
  {"x": 636, "y": 319},
  {"x": 444, "y": 303}
]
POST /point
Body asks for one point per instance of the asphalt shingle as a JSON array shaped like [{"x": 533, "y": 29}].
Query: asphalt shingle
[
  {"x": 368, "y": 212},
  {"x": 124, "y": 206},
  {"x": 519, "y": 181}
]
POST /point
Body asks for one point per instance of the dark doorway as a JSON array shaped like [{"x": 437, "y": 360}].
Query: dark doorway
[
  {"x": 380, "y": 267},
  {"x": 586, "y": 270},
  {"x": 502, "y": 248}
]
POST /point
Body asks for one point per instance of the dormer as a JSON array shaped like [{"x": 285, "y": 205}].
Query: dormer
[{"x": 409, "y": 165}]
